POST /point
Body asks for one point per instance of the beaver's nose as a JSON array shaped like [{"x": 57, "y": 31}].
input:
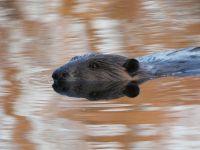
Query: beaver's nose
[{"x": 55, "y": 75}]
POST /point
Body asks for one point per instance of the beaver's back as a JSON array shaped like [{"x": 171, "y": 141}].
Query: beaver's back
[{"x": 182, "y": 62}]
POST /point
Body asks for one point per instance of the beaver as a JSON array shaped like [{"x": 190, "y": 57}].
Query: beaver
[{"x": 111, "y": 67}]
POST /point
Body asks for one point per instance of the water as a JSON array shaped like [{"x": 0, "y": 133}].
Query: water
[{"x": 38, "y": 36}]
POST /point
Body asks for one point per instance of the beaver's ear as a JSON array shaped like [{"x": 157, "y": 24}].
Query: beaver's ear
[
  {"x": 131, "y": 65},
  {"x": 131, "y": 90}
]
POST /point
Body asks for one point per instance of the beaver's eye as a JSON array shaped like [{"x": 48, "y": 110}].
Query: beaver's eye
[
  {"x": 93, "y": 65},
  {"x": 65, "y": 74}
]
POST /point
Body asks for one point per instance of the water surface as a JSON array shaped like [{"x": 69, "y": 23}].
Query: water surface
[{"x": 38, "y": 36}]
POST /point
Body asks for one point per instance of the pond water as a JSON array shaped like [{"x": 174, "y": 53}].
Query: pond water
[{"x": 38, "y": 36}]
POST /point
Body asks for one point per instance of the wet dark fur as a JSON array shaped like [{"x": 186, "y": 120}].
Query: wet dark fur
[
  {"x": 104, "y": 67},
  {"x": 96, "y": 67}
]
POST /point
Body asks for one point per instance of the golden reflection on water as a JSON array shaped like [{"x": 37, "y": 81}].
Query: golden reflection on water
[{"x": 38, "y": 36}]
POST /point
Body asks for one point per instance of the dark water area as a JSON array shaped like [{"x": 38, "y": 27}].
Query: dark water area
[{"x": 38, "y": 36}]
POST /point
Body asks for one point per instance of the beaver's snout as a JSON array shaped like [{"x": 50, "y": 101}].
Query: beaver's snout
[{"x": 55, "y": 75}]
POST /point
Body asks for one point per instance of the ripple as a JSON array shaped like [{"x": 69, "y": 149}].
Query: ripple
[
  {"x": 107, "y": 130},
  {"x": 37, "y": 77},
  {"x": 104, "y": 145}
]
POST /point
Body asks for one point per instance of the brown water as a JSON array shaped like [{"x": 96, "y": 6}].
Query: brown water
[{"x": 38, "y": 36}]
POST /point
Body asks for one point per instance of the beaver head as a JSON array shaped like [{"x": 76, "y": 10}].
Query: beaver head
[{"x": 97, "y": 67}]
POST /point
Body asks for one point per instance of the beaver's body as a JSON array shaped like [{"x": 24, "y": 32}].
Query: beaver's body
[
  {"x": 102, "y": 67},
  {"x": 182, "y": 62}
]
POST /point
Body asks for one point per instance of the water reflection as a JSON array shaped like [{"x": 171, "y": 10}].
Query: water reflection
[
  {"x": 38, "y": 36},
  {"x": 97, "y": 90}
]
